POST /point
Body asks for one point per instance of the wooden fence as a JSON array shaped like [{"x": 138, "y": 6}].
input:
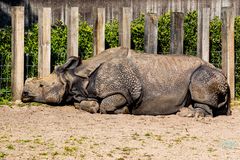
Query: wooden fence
[{"x": 150, "y": 39}]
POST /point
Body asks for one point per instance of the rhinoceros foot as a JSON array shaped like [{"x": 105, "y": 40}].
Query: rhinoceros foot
[
  {"x": 193, "y": 112},
  {"x": 186, "y": 112},
  {"x": 89, "y": 106},
  {"x": 123, "y": 110}
]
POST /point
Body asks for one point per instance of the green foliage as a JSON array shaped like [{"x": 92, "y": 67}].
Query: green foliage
[
  {"x": 237, "y": 51},
  {"x": 164, "y": 24},
  {"x": 31, "y": 49},
  {"x": 237, "y": 74},
  {"x": 137, "y": 33},
  {"x": 237, "y": 33},
  {"x": 58, "y": 43},
  {"x": 85, "y": 41},
  {"x": 111, "y": 34},
  {"x": 5, "y": 39},
  {"x": 215, "y": 42},
  {"x": 5, "y": 95},
  {"x": 5, "y": 63},
  {"x": 190, "y": 33}
]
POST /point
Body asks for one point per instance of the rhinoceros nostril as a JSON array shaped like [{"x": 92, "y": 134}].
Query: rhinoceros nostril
[{"x": 25, "y": 94}]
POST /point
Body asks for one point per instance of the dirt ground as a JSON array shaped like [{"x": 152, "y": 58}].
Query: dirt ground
[{"x": 38, "y": 132}]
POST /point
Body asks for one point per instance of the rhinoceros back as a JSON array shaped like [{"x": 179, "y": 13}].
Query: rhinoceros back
[{"x": 165, "y": 80}]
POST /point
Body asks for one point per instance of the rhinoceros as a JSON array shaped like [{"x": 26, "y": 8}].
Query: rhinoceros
[{"x": 121, "y": 80}]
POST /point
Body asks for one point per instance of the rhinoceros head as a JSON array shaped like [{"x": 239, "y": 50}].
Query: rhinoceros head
[
  {"x": 47, "y": 89},
  {"x": 52, "y": 88}
]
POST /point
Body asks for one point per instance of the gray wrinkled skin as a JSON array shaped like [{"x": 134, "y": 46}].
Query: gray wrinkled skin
[{"x": 120, "y": 80}]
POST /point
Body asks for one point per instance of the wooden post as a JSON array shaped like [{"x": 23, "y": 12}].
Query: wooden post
[
  {"x": 17, "y": 74},
  {"x": 203, "y": 34},
  {"x": 125, "y": 27},
  {"x": 151, "y": 33},
  {"x": 44, "y": 42},
  {"x": 73, "y": 27},
  {"x": 177, "y": 33},
  {"x": 228, "y": 47},
  {"x": 99, "y": 31}
]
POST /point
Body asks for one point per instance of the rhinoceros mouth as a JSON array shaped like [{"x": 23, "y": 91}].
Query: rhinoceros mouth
[{"x": 26, "y": 97}]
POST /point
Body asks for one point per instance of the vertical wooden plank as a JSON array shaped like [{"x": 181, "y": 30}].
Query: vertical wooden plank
[
  {"x": 228, "y": 55},
  {"x": 99, "y": 31},
  {"x": 17, "y": 74},
  {"x": 151, "y": 33},
  {"x": 234, "y": 3},
  {"x": 66, "y": 14},
  {"x": 169, "y": 5},
  {"x": 188, "y": 6},
  {"x": 218, "y": 8},
  {"x": 44, "y": 41},
  {"x": 203, "y": 34},
  {"x": 159, "y": 7},
  {"x": 194, "y": 5},
  {"x": 155, "y": 8},
  {"x": 177, "y": 33},
  {"x": 148, "y": 7},
  {"x": 73, "y": 27},
  {"x": 173, "y": 6},
  {"x": 213, "y": 9},
  {"x": 199, "y": 28},
  {"x": 179, "y": 6},
  {"x": 125, "y": 27}
]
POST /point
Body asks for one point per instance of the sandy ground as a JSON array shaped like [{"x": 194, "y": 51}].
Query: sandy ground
[{"x": 43, "y": 132}]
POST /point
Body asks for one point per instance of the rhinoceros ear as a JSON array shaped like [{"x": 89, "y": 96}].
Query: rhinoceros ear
[{"x": 71, "y": 63}]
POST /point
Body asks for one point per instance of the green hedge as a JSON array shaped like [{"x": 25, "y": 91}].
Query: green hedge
[
  {"x": 59, "y": 42},
  {"x": 164, "y": 24},
  {"x": 137, "y": 33},
  {"x": 5, "y": 64},
  {"x": 237, "y": 51},
  {"x": 190, "y": 35},
  {"x": 112, "y": 34}
]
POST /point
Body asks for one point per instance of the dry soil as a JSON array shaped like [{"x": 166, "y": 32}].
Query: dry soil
[{"x": 30, "y": 131}]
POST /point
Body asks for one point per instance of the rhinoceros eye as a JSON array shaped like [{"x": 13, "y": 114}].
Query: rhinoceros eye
[{"x": 41, "y": 85}]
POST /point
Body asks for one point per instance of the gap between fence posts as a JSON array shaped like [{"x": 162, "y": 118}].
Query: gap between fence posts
[
  {"x": 228, "y": 55},
  {"x": 17, "y": 74},
  {"x": 125, "y": 27},
  {"x": 203, "y": 33},
  {"x": 99, "y": 31},
  {"x": 151, "y": 33},
  {"x": 72, "y": 32},
  {"x": 177, "y": 33},
  {"x": 44, "y": 42}
]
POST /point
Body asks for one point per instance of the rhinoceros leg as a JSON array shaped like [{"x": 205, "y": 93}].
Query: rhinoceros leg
[
  {"x": 112, "y": 103},
  {"x": 202, "y": 110},
  {"x": 209, "y": 91}
]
